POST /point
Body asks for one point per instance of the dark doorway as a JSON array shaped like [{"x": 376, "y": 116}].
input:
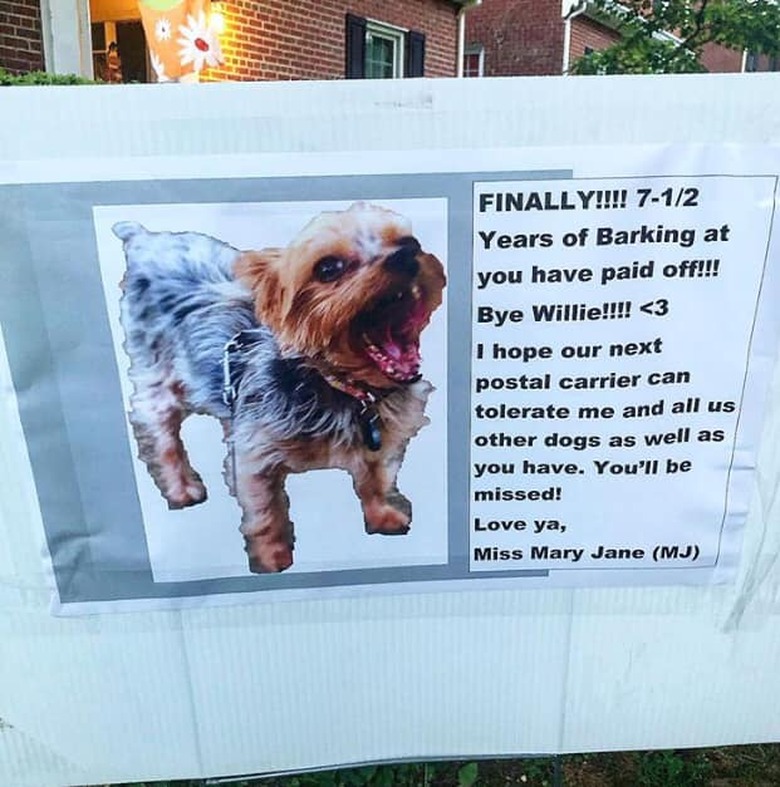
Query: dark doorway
[{"x": 131, "y": 42}]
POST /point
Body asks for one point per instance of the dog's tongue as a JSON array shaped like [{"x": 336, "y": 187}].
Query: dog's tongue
[
  {"x": 394, "y": 347},
  {"x": 396, "y": 357}
]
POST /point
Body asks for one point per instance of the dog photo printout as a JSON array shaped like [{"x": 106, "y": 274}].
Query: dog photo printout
[
  {"x": 277, "y": 362},
  {"x": 539, "y": 376}
]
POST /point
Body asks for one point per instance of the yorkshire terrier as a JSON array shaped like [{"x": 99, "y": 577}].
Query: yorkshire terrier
[{"x": 309, "y": 356}]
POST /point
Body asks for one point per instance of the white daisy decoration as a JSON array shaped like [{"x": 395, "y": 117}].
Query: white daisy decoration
[
  {"x": 198, "y": 44},
  {"x": 162, "y": 29},
  {"x": 159, "y": 67}
]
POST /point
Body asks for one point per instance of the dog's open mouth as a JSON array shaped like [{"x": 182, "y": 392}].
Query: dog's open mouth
[{"x": 388, "y": 333}]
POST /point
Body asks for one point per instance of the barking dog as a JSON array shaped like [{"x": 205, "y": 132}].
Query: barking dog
[{"x": 308, "y": 355}]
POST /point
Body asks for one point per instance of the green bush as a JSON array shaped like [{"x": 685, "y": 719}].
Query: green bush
[
  {"x": 669, "y": 769},
  {"x": 42, "y": 78},
  {"x": 400, "y": 775}
]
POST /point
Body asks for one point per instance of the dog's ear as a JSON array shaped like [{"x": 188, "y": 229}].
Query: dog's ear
[{"x": 258, "y": 271}]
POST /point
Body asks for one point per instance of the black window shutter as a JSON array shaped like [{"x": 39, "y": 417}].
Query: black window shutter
[
  {"x": 415, "y": 54},
  {"x": 356, "y": 47}
]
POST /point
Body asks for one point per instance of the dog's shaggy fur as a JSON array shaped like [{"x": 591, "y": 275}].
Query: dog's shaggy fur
[{"x": 328, "y": 331}]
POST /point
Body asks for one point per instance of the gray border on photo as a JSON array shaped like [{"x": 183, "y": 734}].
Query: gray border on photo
[{"x": 60, "y": 351}]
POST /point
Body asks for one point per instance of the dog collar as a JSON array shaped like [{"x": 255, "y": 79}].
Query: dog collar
[{"x": 370, "y": 422}]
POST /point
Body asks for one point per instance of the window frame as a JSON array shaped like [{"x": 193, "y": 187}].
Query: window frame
[
  {"x": 397, "y": 36},
  {"x": 470, "y": 51},
  {"x": 409, "y": 47}
]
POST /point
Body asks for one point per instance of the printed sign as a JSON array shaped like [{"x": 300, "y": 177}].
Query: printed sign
[
  {"x": 269, "y": 387},
  {"x": 612, "y": 321}
]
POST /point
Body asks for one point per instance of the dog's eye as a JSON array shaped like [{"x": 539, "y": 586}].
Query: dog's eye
[{"x": 329, "y": 269}]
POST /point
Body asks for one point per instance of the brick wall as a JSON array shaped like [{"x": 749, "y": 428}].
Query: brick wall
[
  {"x": 21, "y": 43},
  {"x": 587, "y": 33},
  {"x": 717, "y": 59},
  {"x": 276, "y": 39},
  {"x": 518, "y": 36}
]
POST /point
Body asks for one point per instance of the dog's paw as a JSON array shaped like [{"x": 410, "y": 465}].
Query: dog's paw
[
  {"x": 269, "y": 558},
  {"x": 185, "y": 494},
  {"x": 387, "y": 519}
]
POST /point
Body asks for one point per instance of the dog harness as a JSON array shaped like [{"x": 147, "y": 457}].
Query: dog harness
[{"x": 368, "y": 415}]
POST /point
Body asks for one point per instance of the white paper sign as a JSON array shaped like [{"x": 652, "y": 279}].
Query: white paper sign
[
  {"x": 596, "y": 363},
  {"x": 612, "y": 328}
]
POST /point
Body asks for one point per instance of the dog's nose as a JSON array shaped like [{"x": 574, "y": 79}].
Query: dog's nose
[{"x": 404, "y": 260}]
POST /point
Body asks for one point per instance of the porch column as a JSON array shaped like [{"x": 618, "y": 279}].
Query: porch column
[{"x": 67, "y": 44}]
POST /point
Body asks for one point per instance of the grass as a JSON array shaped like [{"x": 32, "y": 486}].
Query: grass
[{"x": 732, "y": 766}]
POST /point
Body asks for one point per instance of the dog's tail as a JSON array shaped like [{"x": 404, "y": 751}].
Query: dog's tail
[{"x": 125, "y": 230}]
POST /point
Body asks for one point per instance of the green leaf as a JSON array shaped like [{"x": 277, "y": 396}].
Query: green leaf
[
  {"x": 669, "y": 37},
  {"x": 467, "y": 775}
]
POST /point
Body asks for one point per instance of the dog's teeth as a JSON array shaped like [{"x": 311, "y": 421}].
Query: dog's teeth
[{"x": 416, "y": 292}]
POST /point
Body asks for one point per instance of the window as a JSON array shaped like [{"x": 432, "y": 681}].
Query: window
[
  {"x": 474, "y": 62},
  {"x": 376, "y": 50},
  {"x": 384, "y": 52}
]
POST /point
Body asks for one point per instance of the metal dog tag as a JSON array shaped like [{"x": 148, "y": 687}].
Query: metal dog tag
[{"x": 372, "y": 429}]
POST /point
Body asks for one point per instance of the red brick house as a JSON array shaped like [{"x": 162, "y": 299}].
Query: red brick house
[
  {"x": 543, "y": 37},
  {"x": 261, "y": 39},
  {"x": 21, "y": 38}
]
